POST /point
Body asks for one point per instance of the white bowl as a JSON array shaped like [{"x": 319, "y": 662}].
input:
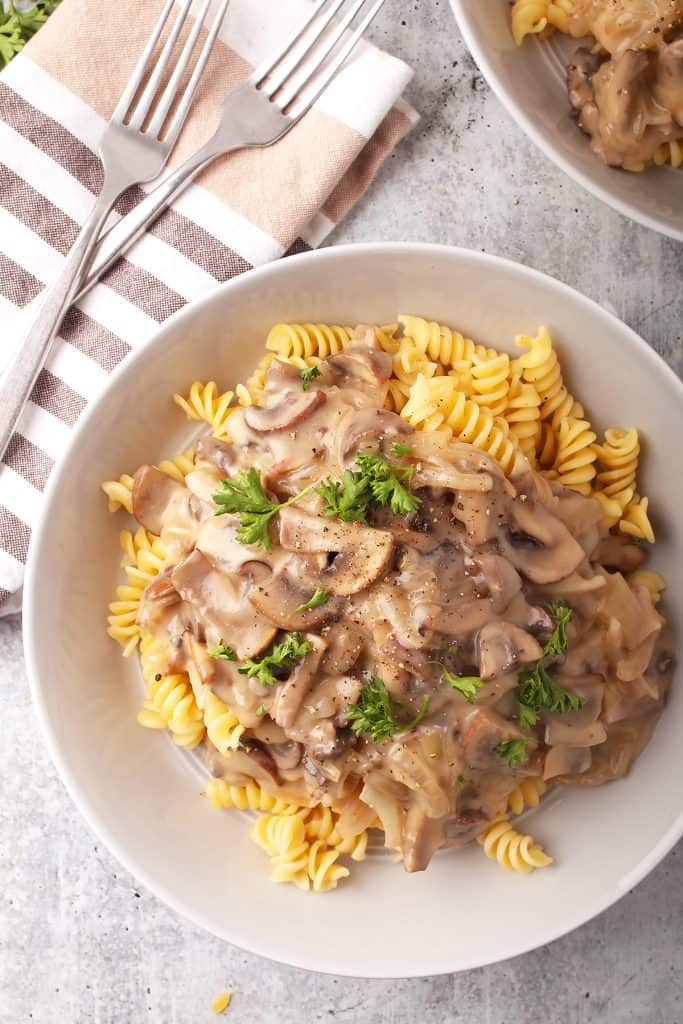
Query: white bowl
[
  {"x": 141, "y": 795},
  {"x": 531, "y": 82}
]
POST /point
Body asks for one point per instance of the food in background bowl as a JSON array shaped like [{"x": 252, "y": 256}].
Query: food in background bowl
[
  {"x": 625, "y": 82},
  {"x": 397, "y": 588}
]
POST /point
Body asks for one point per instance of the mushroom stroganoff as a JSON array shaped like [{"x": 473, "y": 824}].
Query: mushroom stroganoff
[{"x": 380, "y": 628}]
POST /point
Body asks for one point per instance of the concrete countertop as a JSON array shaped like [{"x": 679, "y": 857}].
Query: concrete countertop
[{"x": 80, "y": 941}]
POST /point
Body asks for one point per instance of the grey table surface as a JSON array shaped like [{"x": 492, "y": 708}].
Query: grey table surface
[{"x": 80, "y": 940}]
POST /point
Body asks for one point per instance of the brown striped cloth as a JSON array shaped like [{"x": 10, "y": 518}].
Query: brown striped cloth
[{"x": 246, "y": 209}]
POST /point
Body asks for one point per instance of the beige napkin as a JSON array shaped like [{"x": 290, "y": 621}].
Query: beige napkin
[{"x": 245, "y": 210}]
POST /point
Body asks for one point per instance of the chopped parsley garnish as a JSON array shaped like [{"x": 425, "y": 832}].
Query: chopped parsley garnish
[
  {"x": 261, "y": 710},
  {"x": 319, "y": 597},
  {"x": 376, "y": 483},
  {"x": 398, "y": 449},
  {"x": 17, "y": 27},
  {"x": 374, "y": 716},
  {"x": 243, "y": 495},
  {"x": 538, "y": 690},
  {"x": 307, "y": 375},
  {"x": 452, "y": 649},
  {"x": 466, "y": 685},
  {"x": 560, "y": 613},
  {"x": 222, "y": 652},
  {"x": 512, "y": 751},
  {"x": 460, "y": 780},
  {"x": 281, "y": 658}
]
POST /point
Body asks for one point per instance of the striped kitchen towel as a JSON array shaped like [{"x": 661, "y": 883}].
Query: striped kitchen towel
[{"x": 245, "y": 210}]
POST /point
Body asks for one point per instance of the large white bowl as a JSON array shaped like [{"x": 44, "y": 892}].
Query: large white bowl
[
  {"x": 141, "y": 795},
  {"x": 531, "y": 82}
]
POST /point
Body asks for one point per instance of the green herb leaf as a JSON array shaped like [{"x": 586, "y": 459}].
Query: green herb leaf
[
  {"x": 512, "y": 751},
  {"x": 349, "y": 499},
  {"x": 389, "y": 483},
  {"x": 398, "y": 449},
  {"x": 17, "y": 27},
  {"x": 536, "y": 690},
  {"x": 243, "y": 495},
  {"x": 374, "y": 716},
  {"x": 319, "y": 597},
  {"x": 307, "y": 375},
  {"x": 452, "y": 649},
  {"x": 261, "y": 710},
  {"x": 460, "y": 780},
  {"x": 271, "y": 667},
  {"x": 466, "y": 685},
  {"x": 560, "y": 613},
  {"x": 222, "y": 652}
]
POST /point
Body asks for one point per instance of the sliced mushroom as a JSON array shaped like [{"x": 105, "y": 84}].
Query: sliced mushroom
[
  {"x": 422, "y": 837},
  {"x": 501, "y": 578},
  {"x": 503, "y": 646},
  {"x": 153, "y": 492},
  {"x": 362, "y": 554},
  {"x": 454, "y": 620},
  {"x": 451, "y": 478},
  {"x": 281, "y": 376},
  {"x": 206, "y": 667},
  {"x": 369, "y": 424},
  {"x": 280, "y": 598},
  {"x": 359, "y": 364},
  {"x": 292, "y": 693},
  {"x": 558, "y": 732},
  {"x": 156, "y": 599},
  {"x": 619, "y": 553},
  {"x": 539, "y": 544},
  {"x": 287, "y": 755},
  {"x": 566, "y": 760},
  {"x": 222, "y": 454},
  {"x": 484, "y": 730},
  {"x": 345, "y": 643},
  {"x": 287, "y": 413}
]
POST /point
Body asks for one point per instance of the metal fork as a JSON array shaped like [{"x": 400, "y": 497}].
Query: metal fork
[
  {"x": 133, "y": 149},
  {"x": 258, "y": 113}
]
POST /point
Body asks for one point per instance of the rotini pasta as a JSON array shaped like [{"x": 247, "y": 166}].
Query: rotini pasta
[
  {"x": 523, "y": 414},
  {"x": 541, "y": 367},
  {"x": 652, "y": 581},
  {"x": 527, "y": 794},
  {"x": 206, "y": 402},
  {"x": 171, "y": 704},
  {"x": 250, "y": 797},
  {"x": 143, "y": 558},
  {"x": 575, "y": 460},
  {"x": 222, "y": 726},
  {"x": 512, "y": 850},
  {"x": 529, "y": 17},
  {"x": 308, "y": 339}
]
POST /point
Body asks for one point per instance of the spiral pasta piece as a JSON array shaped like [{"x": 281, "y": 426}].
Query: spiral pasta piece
[
  {"x": 120, "y": 493},
  {"x": 223, "y": 727},
  {"x": 490, "y": 384},
  {"x": 529, "y": 17},
  {"x": 437, "y": 404},
  {"x": 618, "y": 458},
  {"x": 250, "y": 797},
  {"x": 171, "y": 703},
  {"x": 669, "y": 153},
  {"x": 513, "y": 850},
  {"x": 635, "y": 521},
  {"x": 144, "y": 557},
  {"x": 283, "y": 838},
  {"x": 527, "y": 794},
  {"x": 206, "y": 402},
  {"x": 355, "y": 846},
  {"x": 523, "y": 414},
  {"x": 323, "y": 870},
  {"x": 541, "y": 367},
  {"x": 576, "y": 455},
  {"x": 308, "y": 339}
]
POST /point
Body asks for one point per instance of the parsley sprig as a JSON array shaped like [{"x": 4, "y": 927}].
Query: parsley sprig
[
  {"x": 376, "y": 483},
  {"x": 320, "y": 596},
  {"x": 466, "y": 685},
  {"x": 512, "y": 751},
  {"x": 560, "y": 613},
  {"x": 243, "y": 495},
  {"x": 374, "y": 716},
  {"x": 222, "y": 652},
  {"x": 307, "y": 374},
  {"x": 270, "y": 667},
  {"x": 536, "y": 690},
  {"x": 17, "y": 27}
]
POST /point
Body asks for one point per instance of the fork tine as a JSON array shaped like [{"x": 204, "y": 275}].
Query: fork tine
[
  {"x": 184, "y": 105},
  {"x": 324, "y": 80},
  {"x": 164, "y": 105},
  {"x": 279, "y": 75},
  {"x": 267, "y": 65},
  {"x": 144, "y": 103},
  {"x": 136, "y": 77}
]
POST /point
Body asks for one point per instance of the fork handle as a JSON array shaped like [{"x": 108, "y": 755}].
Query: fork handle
[
  {"x": 17, "y": 383},
  {"x": 117, "y": 239}
]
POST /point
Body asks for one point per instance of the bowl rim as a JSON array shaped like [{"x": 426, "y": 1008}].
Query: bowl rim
[
  {"x": 526, "y": 121},
  {"x": 96, "y": 821}
]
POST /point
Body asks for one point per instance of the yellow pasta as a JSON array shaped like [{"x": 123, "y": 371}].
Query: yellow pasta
[
  {"x": 443, "y": 345},
  {"x": 250, "y": 797},
  {"x": 541, "y": 367},
  {"x": 527, "y": 794},
  {"x": 635, "y": 521},
  {"x": 575, "y": 460},
  {"x": 669, "y": 153},
  {"x": 616, "y": 479},
  {"x": 179, "y": 465},
  {"x": 651, "y": 580},
  {"x": 511, "y": 849},
  {"x": 206, "y": 402},
  {"x": 323, "y": 870},
  {"x": 437, "y": 404},
  {"x": 120, "y": 493},
  {"x": 283, "y": 838},
  {"x": 221, "y": 1002},
  {"x": 490, "y": 382},
  {"x": 171, "y": 704},
  {"x": 523, "y": 414},
  {"x": 308, "y": 339},
  {"x": 143, "y": 559},
  {"x": 529, "y": 17},
  {"x": 222, "y": 725}
]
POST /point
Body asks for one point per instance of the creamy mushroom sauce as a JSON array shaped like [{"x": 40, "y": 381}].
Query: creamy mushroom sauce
[
  {"x": 476, "y": 566},
  {"x": 628, "y": 95}
]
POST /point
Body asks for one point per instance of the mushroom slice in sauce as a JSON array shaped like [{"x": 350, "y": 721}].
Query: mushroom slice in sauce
[
  {"x": 153, "y": 492},
  {"x": 538, "y": 544},
  {"x": 369, "y": 424},
  {"x": 279, "y": 600},
  {"x": 292, "y": 693},
  {"x": 483, "y": 731},
  {"x": 362, "y": 554},
  {"x": 288, "y": 412},
  {"x": 503, "y": 646}
]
